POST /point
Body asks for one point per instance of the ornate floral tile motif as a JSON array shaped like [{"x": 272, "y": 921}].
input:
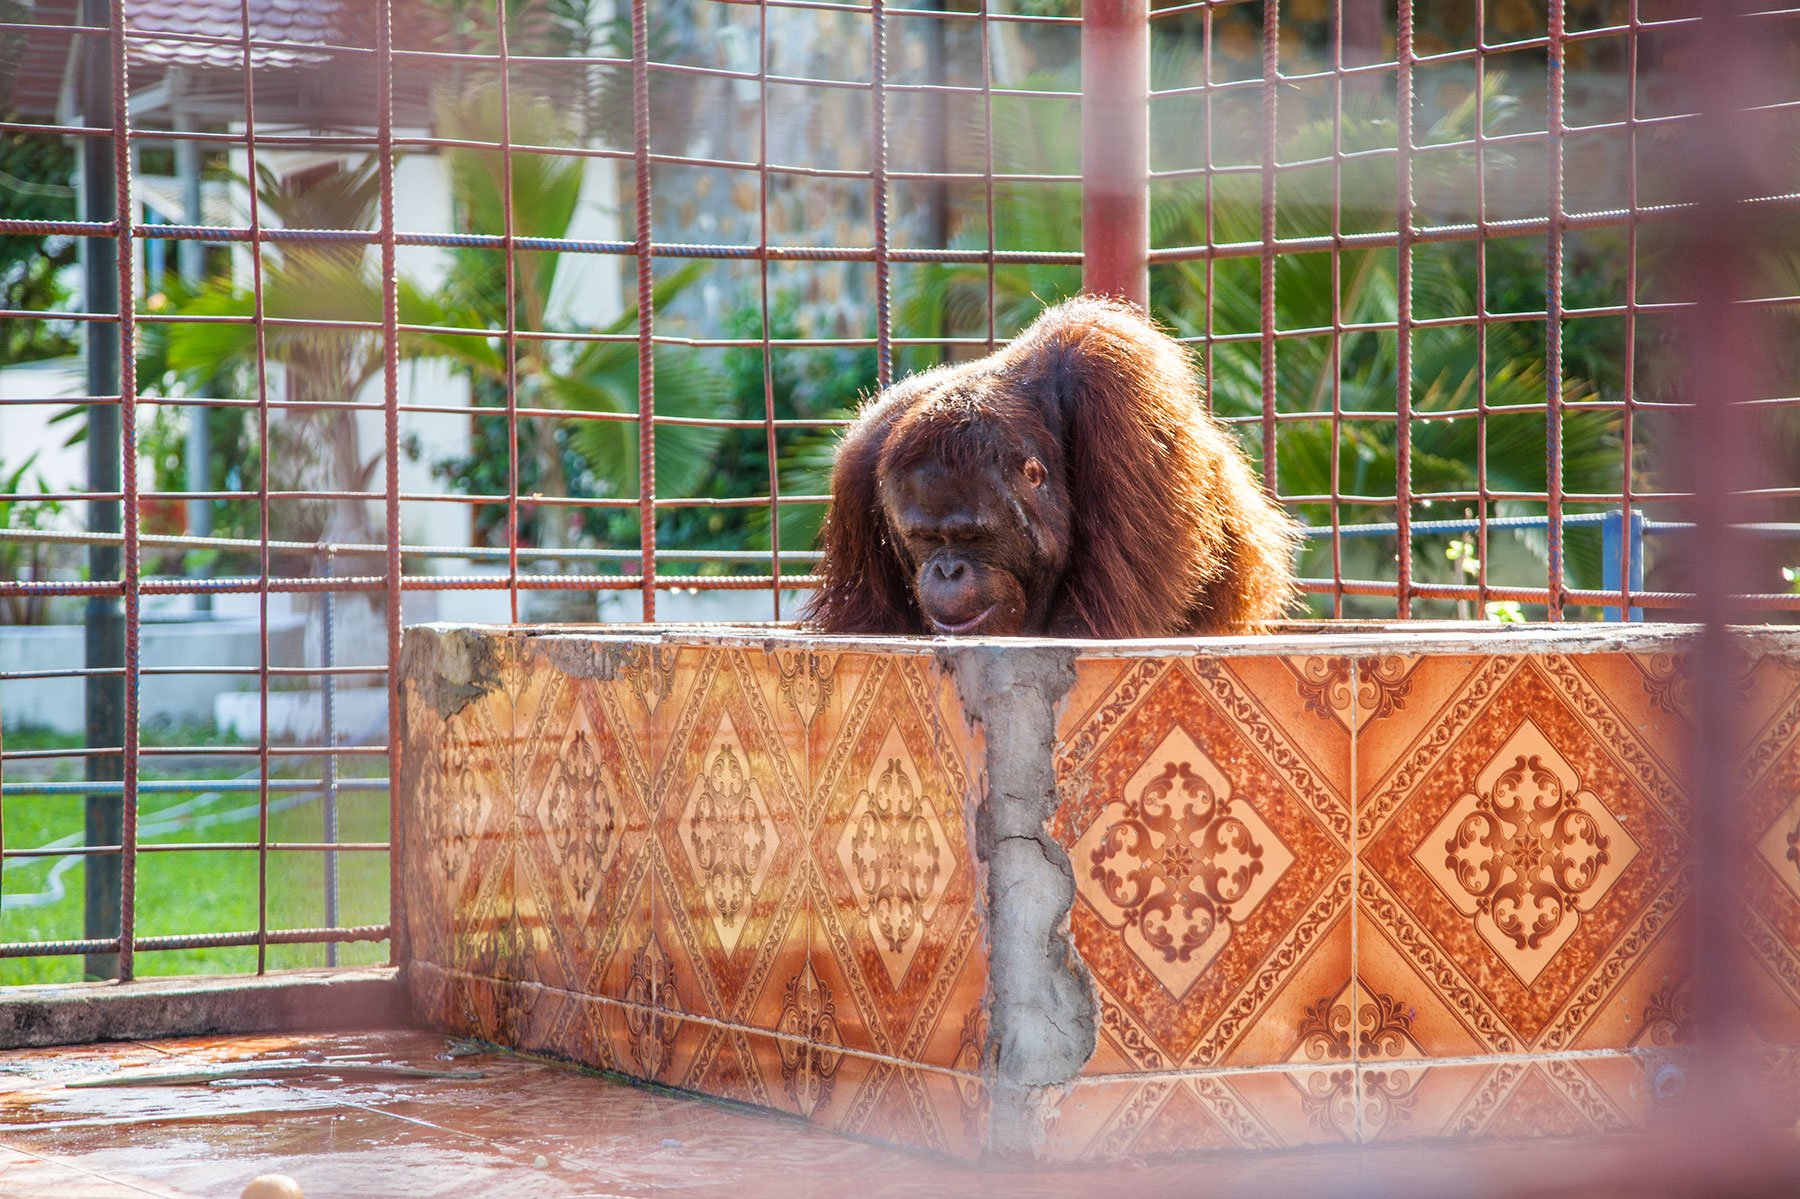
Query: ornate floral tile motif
[
  {"x": 1771, "y": 880},
  {"x": 1505, "y": 1100},
  {"x": 896, "y": 944},
  {"x": 1102, "y": 1120},
  {"x": 729, "y": 902},
  {"x": 1522, "y": 854},
  {"x": 1205, "y": 807}
]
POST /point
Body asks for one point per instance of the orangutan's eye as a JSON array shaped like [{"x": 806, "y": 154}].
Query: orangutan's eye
[{"x": 1034, "y": 472}]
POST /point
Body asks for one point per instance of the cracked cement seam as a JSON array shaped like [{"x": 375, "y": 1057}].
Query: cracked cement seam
[{"x": 1042, "y": 1008}]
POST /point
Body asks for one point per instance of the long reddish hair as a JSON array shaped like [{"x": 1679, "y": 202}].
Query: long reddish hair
[{"x": 1169, "y": 530}]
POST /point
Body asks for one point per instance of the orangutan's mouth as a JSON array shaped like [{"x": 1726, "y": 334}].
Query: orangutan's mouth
[{"x": 965, "y": 626}]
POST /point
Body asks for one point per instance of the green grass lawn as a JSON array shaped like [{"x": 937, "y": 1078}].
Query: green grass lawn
[{"x": 193, "y": 891}]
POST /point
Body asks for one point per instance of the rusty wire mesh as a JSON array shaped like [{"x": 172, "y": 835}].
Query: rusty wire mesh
[{"x": 1438, "y": 268}]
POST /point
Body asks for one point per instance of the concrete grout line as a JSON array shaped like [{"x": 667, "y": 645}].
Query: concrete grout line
[{"x": 1044, "y": 1015}]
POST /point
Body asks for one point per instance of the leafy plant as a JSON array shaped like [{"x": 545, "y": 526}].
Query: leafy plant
[
  {"x": 24, "y": 559},
  {"x": 37, "y": 176},
  {"x": 598, "y": 378},
  {"x": 1446, "y": 363}
]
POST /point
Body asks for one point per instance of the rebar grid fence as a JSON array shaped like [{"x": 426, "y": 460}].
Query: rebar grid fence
[{"x": 1442, "y": 270}]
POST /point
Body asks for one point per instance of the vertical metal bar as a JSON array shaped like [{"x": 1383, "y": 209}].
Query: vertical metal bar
[
  {"x": 762, "y": 264},
  {"x": 1403, "y": 179},
  {"x": 104, "y": 636},
  {"x": 190, "y": 257},
  {"x": 987, "y": 166},
  {"x": 262, "y": 508},
  {"x": 1721, "y": 464},
  {"x": 128, "y": 470},
  {"x": 935, "y": 119},
  {"x": 878, "y": 183},
  {"x": 1337, "y": 306},
  {"x": 1271, "y": 66},
  {"x": 510, "y": 340},
  {"x": 328, "y": 735},
  {"x": 1207, "y": 196},
  {"x": 1631, "y": 574},
  {"x": 1115, "y": 148},
  {"x": 1553, "y": 308},
  {"x": 646, "y": 298},
  {"x": 1482, "y": 503},
  {"x": 390, "y": 361}
]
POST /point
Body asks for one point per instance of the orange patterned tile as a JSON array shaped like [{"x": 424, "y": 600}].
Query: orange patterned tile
[
  {"x": 934, "y": 1110},
  {"x": 1771, "y": 879},
  {"x": 729, "y": 844},
  {"x": 487, "y": 1009},
  {"x": 1511, "y": 1099},
  {"x": 428, "y": 996},
  {"x": 1778, "y": 1079},
  {"x": 746, "y": 1067},
  {"x": 826, "y": 684},
  {"x": 1522, "y": 851},
  {"x": 577, "y": 1028},
  {"x": 555, "y": 1026},
  {"x": 1641, "y": 1001},
  {"x": 456, "y": 815},
  {"x": 1173, "y": 1115},
  {"x": 1205, "y": 807},
  {"x": 421, "y": 851},
  {"x": 584, "y": 820},
  {"x": 1104, "y": 1121},
  {"x": 645, "y": 1039},
  {"x": 897, "y": 891}
]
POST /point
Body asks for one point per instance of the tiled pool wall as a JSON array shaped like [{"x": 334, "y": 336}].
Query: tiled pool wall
[{"x": 1085, "y": 901}]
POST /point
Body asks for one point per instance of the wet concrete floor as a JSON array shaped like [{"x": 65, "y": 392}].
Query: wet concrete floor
[{"x": 530, "y": 1128}]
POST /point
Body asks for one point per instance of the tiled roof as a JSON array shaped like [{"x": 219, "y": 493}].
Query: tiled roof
[
  {"x": 316, "y": 22},
  {"x": 38, "y": 73}
]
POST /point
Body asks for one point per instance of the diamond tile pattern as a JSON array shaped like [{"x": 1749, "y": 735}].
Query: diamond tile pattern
[
  {"x": 1319, "y": 898},
  {"x": 1205, "y": 807},
  {"x": 1523, "y": 852},
  {"x": 1771, "y": 877},
  {"x": 746, "y": 872}
]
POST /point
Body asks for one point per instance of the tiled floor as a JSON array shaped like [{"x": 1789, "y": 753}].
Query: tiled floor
[{"x": 531, "y": 1129}]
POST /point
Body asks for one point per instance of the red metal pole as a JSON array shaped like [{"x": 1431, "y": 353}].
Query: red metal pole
[
  {"x": 131, "y": 564},
  {"x": 646, "y": 297},
  {"x": 390, "y": 364},
  {"x": 1115, "y": 148}
]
